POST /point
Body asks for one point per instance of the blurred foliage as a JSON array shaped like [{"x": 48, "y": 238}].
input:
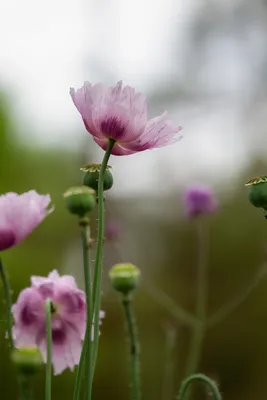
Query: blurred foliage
[{"x": 234, "y": 351}]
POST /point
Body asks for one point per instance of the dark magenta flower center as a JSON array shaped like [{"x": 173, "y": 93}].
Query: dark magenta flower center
[
  {"x": 7, "y": 239},
  {"x": 113, "y": 128},
  {"x": 58, "y": 336},
  {"x": 73, "y": 303},
  {"x": 27, "y": 316}
]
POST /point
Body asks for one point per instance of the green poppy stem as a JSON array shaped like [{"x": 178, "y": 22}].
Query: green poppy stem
[
  {"x": 48, "y": 350},
  {"x": 7, "y": 295}
]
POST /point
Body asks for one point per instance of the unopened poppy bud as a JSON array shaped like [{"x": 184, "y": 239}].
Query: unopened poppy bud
[
  {"x": 27, "y": 360},
  {"x": 124, "y": 277},
  {"x": 80, "y": 200},
  {"x": 258, "y": 192},
  {"x": 91, "y": 176}
]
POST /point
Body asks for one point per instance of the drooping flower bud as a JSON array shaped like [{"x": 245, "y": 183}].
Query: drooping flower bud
[
  {"x": 91, "y": 176},
  {"x": 258, "y": 191},
  {"x": 124, "y": 277},
  {"x": 80, "y": 200},
  {"x": 27, "y": 360}
]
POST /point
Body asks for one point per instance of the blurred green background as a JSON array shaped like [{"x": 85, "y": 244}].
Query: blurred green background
[{"x": 164, "y": 248}]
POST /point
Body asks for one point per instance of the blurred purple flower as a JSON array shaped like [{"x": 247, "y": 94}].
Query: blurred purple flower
[
  {"x": 200, "y": 200},
  {"x": 119, "y": 113},
  {"x": 112, "y": 230},
  {"x": 68, "y": 318},
  {"x": 20, "y": 214}
]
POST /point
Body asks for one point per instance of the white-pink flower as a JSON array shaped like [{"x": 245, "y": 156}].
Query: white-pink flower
[
  {"x": 120, "y": 113},
  {"x": 20, "y": 214},
  {"x": 68, "y": 318}
]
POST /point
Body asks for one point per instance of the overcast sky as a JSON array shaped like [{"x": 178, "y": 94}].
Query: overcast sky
[{"x": 48, "y": 46}]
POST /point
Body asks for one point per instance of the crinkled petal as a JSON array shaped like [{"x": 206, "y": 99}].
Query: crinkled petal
[
  {"x": 111, "y": 112},
  {"x": 22, "y": 213},
  {"x": 72, "y": 307},
  {"x": 117, "y": 149},
  {"x": 39, "y": 280},
  {"x": 23, "y": 338},
  {"x": 54, "y": 276},
  {"x": 158, "y": 133},
  {"x": 29, "y": 317},
  {"x": 68, "y": 280},
  {"x": 65, "y": 353},
  {"x": 88, "y": 97}
]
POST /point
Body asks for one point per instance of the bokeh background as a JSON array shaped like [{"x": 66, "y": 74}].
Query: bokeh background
[{"x": 205, "y": 61}]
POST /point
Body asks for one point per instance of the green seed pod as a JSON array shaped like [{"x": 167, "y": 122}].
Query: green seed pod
[
  {"x": 258, "y": 192},
  {"x": 124, "y": 277},
  {"x": 80, "y": 200},
  {"x": 27, "y": 360},
  {"x": 91, "y": 176}
]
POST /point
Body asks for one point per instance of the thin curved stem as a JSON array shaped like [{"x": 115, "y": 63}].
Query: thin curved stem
[
  {"x": 203, "y": 379},
  {"x": 162, "y": 298},
  {"x": 169, "y": 304},
  {"x": 7, "y": 294},
  {"x": 225, "y": 310},
  {"x": 134, "y": 347},
  {"x": 48, "y": 350},
  {"x": 201, "y": 304},
  {"x": 99, "y": 251}
]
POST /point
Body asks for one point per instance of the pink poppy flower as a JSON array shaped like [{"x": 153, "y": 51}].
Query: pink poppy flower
[
  {"x": 68, "y": 318},
  {"x": 200, "y": 200},
  {"x": 120, "y": 113},
  {"x": 19, "y": 215}
]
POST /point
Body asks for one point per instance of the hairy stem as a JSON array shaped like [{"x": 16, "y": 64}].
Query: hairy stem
[
  {"x": 48, "y": 350},
  {"x": 7, "y": 295},
  {"x": 79, "y": 374},
  {"x": 134, "y": 347},
  {"x": 203, "y": 379},
  {"x": 99, "y": 254}
]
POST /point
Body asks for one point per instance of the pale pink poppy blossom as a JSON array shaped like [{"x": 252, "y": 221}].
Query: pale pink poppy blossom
[
  {"x": 20, "y": 214},
  {"x": 68, "y": 318},
  {"x": 120, "y": 113}
]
